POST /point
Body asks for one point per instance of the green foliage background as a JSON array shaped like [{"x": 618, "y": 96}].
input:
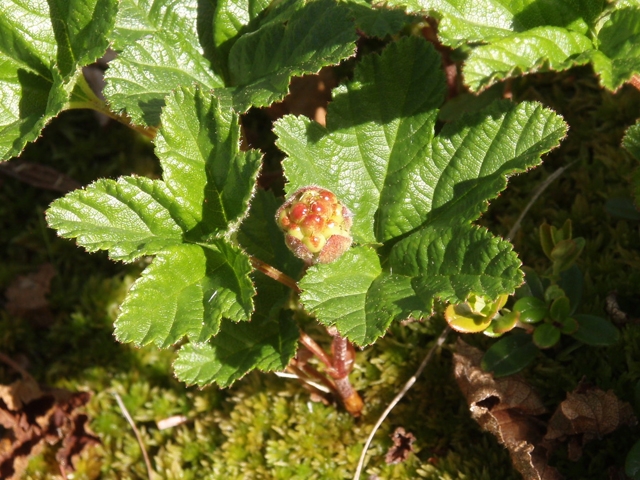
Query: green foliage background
[
  {"x": 266, "y": 427},
  {"x": 263, "y": 426}
]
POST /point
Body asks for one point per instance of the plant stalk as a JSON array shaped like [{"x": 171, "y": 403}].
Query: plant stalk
[{"x": 274, "y": 273}]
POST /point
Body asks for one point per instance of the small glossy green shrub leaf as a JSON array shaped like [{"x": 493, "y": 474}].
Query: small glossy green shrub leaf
[
  {"x": 263, "y": 343},
  {"x": 531, "y": 309},
  {"x": 462, "y": 319},
  {"x": 547, "y": 242},
  {"x": 502, "y": 324},
  {"x": 568, "y": 325},
  {"x": 546, "y": 335},
  {"x": 571, "y": 282},
  {"x": 197, "y": 277},
  {"x": 632, "y": 462},
  {"x": 43, "y": 45},
  {"x": 509, "y": 355},
  {"x": 560, "y": 309},
  {"x": 413, "y": 191},
  {"x": 533, "y": 286},
  {"x": 622, "y": 207},
  {"x": 553, "y": 292},
  {"x": 596, "y": 331},
  {"x": 159, "y": 50}
]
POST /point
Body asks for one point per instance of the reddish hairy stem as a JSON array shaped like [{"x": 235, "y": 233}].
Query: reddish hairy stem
[
  {"x": 316, "y": 349},
  {"x": 343, "y": 359},
  {"x": 274, "y": 273}
]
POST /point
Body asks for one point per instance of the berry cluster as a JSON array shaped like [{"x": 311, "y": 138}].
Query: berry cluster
[{"x": 316, "y": 225}]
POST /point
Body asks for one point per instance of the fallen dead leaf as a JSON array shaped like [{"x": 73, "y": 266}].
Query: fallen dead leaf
[
  {"x": 27, "y": 295},
  {"x": 587, "y": 413},
  {"x": 506, "y": 407},
  {"x": 402, "y": 446},
  {"x": 32, "y": 416}
]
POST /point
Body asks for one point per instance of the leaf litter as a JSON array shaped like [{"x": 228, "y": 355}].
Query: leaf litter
[
  {"x": 33, "y": 417},
  {"x": 514, "y": 413}
]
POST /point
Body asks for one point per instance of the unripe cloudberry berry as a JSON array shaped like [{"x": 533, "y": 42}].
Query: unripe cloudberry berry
[{"x": 316, "y": 225}]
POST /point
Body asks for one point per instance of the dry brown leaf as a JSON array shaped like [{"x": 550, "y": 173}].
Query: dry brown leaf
[
  {"x": 402, "y": 446},
  {"x": 32, "y": 416},
  {"x": 586, "y": 414},
  {"x": 506, "y": 407},
  {"x": 19, "y": 392},
  {"x": 26, "y": 296}
]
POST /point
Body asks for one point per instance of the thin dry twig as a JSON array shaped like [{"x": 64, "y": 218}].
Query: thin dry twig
[
  {"x": 398, "y": 397},
  {"x": 126, "y": 415},
  {"x": 10, "y": 362},
  {"x": 534, "y": 197}
]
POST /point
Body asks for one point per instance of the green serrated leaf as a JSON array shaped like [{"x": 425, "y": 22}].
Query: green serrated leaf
[
  {"x": 130, "y": 218},
  {"x": 203, "y": 167},
  {"x": 263, "y": 343},
  {"x": 262, "y": 63},
  {"x": 618, "y": 56},
  {"x": 42, "y": 47},
  {"x": 451, "y": 264},
  {"x": 187, "y": 290},
  {"x": 379, "y": 21},
  {"x": 631, "y": 140},
  {"x": 189, "y": 287},
  {"x": 337, "y": 293},
  {"x": 538, "y": 49},
  {"x": 415, "y": 192},
  {"x": 509, "y": 355},
  {"x": 480, "y": 21},
  {"x": 208, "y": 183},
  {"x": 366, "y": 154},
  {"x": 261, "y": 237},
  {"x": 159, "y": 51},
  {"x": 231, "y": 18}
]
